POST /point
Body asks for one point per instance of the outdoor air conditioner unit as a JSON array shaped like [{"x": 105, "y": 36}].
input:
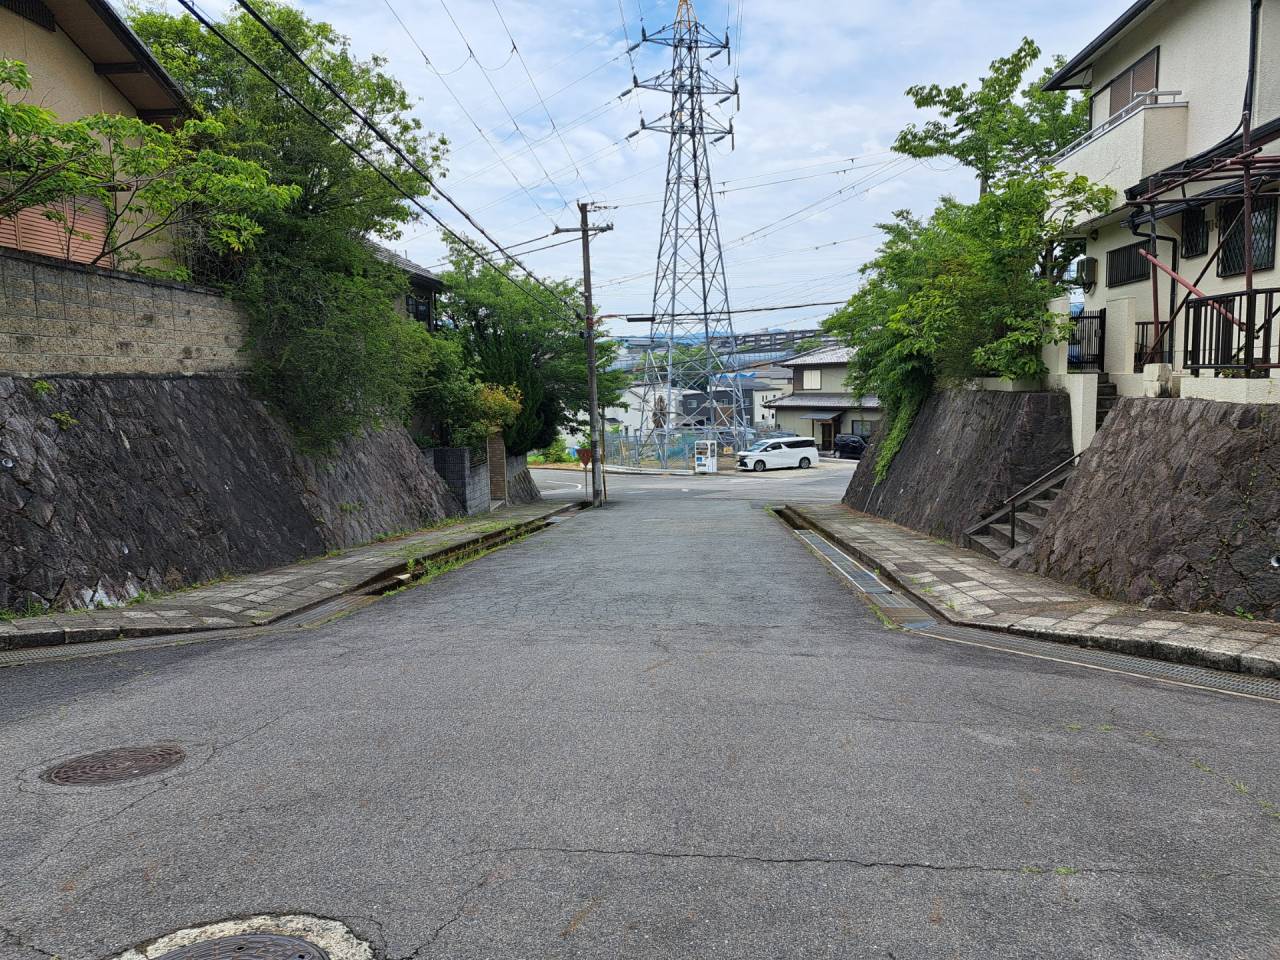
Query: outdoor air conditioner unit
[{"x": 1087, "y": 271}]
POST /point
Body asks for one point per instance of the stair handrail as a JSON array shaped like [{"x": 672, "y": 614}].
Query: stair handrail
[{"x": 1010, "y": 502}]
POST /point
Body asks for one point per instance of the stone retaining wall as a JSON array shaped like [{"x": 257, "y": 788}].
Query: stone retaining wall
[
  {"x": 114, "y": 485},
  {"x": 966, "y": 452},
  {"x": 1177, "y": 500},
  {"x": 58, "y": 317},
  {"x": 519, "y": 481}
]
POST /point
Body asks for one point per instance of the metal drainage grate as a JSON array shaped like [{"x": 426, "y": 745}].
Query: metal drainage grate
[
  {"x": 114, "y": 766},
  {"x": 249, "y": 946}
]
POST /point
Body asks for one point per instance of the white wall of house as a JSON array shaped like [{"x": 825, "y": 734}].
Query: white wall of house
[{"x": 1202, "y": 52}]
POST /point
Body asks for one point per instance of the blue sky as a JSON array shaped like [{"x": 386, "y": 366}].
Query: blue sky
[{"x": 822, "y": 92}]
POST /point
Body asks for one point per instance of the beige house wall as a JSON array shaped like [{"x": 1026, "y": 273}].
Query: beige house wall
[
  {"x": 789, "y": 420},
  {"x": 1203, "y": 47},
  {"x": 1203, "y": 52},
  {"x": 62, "y": 78},
  {"x": 833, "y": 377}
]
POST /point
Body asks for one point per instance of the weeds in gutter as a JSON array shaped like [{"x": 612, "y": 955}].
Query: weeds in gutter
[{"x": 429, "y": 570}]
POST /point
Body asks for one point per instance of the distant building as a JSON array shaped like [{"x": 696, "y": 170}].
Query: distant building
[{"x": 819, "y": 405}]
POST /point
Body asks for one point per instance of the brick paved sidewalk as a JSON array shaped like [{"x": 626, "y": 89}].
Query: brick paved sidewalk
[
  {"x": 966, "y": 588},
  {"x": 263, "y": 598}
]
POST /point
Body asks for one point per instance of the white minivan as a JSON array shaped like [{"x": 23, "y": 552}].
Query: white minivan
[{"x": 783, "y": 452}]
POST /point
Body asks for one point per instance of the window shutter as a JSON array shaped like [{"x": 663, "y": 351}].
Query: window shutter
[
  {"x": 1144, "y": 74},
  {"x": 32, "y": 231}
]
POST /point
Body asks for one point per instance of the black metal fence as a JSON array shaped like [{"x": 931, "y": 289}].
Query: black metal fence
[
  {"x": 1231, "y": 331},
  {"x": 1086, "y": 347}
]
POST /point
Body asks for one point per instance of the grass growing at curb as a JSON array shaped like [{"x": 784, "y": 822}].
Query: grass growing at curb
[{"x": 430, "y": 570}]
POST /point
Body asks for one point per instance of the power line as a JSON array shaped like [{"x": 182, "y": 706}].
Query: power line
[
  {"x": 769, "y": 309},
  {"x": 465, "y": 112},
  {"x": 791, "y": 219},
  {"x": 510, "y": 116},
  {"x": 204, "y": 21},
  {"x": 534, "y": 84}
]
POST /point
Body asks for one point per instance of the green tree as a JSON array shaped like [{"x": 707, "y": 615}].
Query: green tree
[
  {"x": 152, "y": 184},
  {"x": 517, "y": 336},
  {"x": 329, "y": 348},
  {"x": 966, "y": 292},
  {"x": 1002, "y": 128}
]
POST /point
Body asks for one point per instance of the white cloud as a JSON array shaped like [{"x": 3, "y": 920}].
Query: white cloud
[{"x": 820, "y": 81}]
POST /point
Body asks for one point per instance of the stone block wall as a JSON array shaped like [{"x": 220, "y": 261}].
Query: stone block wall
[
  {"x": 58, "y": 317},
  {"x": 114, "y": 485},
  {"x": 966, "y": 452},
  {"x": 1177, "y": 500}
]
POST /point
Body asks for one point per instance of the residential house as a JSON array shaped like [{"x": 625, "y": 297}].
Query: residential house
[
  {"x": 1167, "y": 89},
  {"x": 819, "y": 404},
  {"x": 422, "y": 302},
  {"x": 83, "y": 60}
]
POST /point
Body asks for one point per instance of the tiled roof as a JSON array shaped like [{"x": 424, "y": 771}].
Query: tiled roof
[
  {"x": 822, "y": 356},
  {"x": 404, "y": 263}
]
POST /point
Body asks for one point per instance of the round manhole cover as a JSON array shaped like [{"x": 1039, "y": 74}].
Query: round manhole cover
[
  {"x": 114, "y": 766},
  {"x": 249, "y": 946}
]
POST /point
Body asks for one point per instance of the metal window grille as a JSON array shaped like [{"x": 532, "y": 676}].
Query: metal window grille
[
  {"x": 1195, "y": 232},
  {"x": 33, "y": 10},
  {"x": 1231, "y": 260},
  {"x": 1127, "y": 265}
]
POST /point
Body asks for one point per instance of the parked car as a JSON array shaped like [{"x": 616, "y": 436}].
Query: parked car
[
  {"x": 800, "y": 452},
  {"x": 850, "y": 446}
]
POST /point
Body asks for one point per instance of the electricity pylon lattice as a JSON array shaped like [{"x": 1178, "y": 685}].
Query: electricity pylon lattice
[{"x": 692, "y": 327}]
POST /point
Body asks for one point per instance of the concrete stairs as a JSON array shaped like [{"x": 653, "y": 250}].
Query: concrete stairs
[
  {"x": 1107, "y": 399},
  {"x": 1007, "y": 532}
]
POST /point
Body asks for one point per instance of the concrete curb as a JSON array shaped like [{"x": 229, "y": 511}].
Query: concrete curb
[
  {"x": 385, "y": 577},
  {"x": 1152, "y": 648}
]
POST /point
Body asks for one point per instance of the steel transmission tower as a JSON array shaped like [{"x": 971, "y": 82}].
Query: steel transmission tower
[{"x": 692, "y": 325}]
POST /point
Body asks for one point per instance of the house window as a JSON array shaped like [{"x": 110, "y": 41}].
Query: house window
[
  {"x": 1128, "y": 85},
  {"x": 1231, "y": 259},
  {"x": 1195, "y": 232},
  {"x": 422, "y": 310},
  {"x": 861, "y": 427},
  {"x": 1127, "y": 265},
  {"x": 811, "y": 379}
]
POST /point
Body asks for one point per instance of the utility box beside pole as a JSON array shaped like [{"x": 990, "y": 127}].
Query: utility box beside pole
[{"x": 705, "y": 454}]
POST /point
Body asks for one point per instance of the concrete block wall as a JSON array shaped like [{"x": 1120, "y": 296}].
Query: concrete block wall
[
  {"x": 63, "y": 318},
  {"x": 468, "y": 482}
]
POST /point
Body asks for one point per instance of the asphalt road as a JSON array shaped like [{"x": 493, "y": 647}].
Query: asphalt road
[{"x": 662, "y": 729}]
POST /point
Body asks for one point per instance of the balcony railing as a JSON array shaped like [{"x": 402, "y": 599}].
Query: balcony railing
[
  {"x": 1233, "y": 332},
  {"x": 1152, "y": 98}
]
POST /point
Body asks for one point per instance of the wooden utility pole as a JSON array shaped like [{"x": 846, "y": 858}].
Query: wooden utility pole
[{"x": 596, "y": 432}]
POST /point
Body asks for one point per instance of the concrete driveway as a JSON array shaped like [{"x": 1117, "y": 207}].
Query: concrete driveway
[{"x": 661, "y": 729}]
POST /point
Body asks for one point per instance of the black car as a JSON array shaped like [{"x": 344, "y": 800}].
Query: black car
[{"x": 849, "y": 446}]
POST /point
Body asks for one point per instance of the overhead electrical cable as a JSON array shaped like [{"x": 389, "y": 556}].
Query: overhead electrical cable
[
  {"x": 557, "y": 301},
  {"x": 538, "y": 93},
  {"x": 510, "y": 116},
  {"x": 467, "y": 113}
]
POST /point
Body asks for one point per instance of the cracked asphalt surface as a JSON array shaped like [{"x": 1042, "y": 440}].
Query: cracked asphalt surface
[{"x": 658, "y": 730}]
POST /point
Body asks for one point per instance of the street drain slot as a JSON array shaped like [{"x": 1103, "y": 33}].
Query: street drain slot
[
  {"x": 249, "y": 946},
  {"x": 114, "y": 766}
]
